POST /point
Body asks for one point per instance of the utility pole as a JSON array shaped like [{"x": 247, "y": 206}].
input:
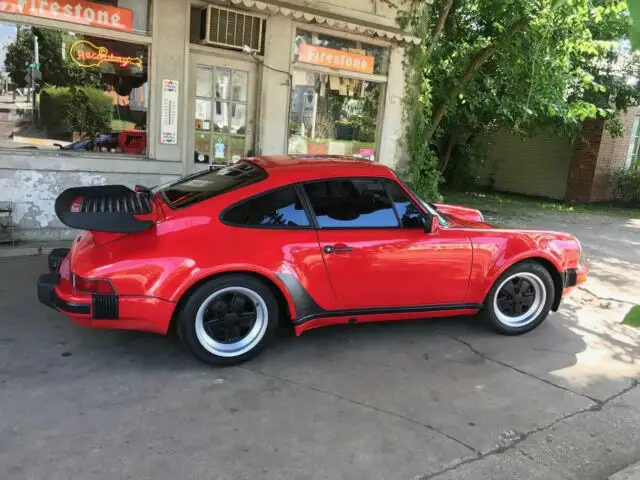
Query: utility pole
[{"x": 34, "y": 67}]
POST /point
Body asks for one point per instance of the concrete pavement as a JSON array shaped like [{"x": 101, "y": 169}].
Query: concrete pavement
[{"x": 441, "y": 399}]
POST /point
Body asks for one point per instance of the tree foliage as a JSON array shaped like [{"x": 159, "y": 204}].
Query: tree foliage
[
  {"x": 56, "y": 66},
  {"x": 520, "y": 64}
]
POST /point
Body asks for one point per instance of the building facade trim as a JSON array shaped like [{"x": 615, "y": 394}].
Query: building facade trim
[{"x": 321, "y": 18}]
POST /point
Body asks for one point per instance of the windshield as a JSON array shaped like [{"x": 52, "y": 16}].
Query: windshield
[
  {"x": 442, "y": 218},
  {"x": 209, "y": 183}
]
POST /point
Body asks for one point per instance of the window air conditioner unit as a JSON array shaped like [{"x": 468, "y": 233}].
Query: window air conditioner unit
[{"x": 228, "y": 28}]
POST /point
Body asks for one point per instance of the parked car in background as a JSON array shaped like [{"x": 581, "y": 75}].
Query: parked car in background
[{"x": 228, "y": 253}]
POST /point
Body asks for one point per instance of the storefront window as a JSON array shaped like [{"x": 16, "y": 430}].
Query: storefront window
[
  {"x": 333, "y": 115},
  {"x": 220, "y": 114},
  {"x": 342, "y": 53},
  {"x": 84, "y": 93}
]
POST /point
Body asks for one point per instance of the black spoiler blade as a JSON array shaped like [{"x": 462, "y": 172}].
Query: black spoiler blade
[{"x": 109, "y": 208}]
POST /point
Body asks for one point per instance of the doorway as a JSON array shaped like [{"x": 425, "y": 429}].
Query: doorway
[{"x": 222, "y": 109}]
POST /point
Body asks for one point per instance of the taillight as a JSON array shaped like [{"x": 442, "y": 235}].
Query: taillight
[{"x": 93, "y": 285}]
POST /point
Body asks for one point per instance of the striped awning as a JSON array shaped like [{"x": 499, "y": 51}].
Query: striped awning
[{"x": 321, "y": 18}]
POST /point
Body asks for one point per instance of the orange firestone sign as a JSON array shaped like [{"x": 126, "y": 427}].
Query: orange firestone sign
[
  {"x": 328, "y": 57},
  {"x": 74, "y": 11}
]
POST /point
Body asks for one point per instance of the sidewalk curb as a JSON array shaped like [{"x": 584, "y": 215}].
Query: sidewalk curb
[
  {"x": 25, "y": 251},
  {"x": 632, "y": 472}
]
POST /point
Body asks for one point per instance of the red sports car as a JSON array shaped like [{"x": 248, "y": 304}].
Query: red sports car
[{"x": 228, "y": 253}]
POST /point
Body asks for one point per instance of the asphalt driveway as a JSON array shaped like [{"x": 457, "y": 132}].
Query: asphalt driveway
[{"x": 423, "y": 399}]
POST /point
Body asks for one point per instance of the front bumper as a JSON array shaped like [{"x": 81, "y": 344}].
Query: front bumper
[
  {"x": 575, "y": 276},
  {"x": 100, "y": 311}
]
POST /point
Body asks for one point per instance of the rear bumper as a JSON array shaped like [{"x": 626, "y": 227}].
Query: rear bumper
[
  {"x": 48, "y": 296},
  {"x": 103, "y": 311}
]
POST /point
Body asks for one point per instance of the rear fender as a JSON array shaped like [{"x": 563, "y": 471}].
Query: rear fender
[{"x": 199, "y": 276}]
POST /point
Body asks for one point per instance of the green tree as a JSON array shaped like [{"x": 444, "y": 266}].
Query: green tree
[
  {"x": 19, "y": 54},
  {"x": 523, "y": 64},
  {"x": 56, "y": 66}
]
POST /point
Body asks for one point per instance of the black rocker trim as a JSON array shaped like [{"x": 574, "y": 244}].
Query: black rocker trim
[{"x": 307, "y": 309}]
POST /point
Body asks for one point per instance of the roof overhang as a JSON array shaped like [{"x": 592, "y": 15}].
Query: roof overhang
[{"x": 319, "y": 17}]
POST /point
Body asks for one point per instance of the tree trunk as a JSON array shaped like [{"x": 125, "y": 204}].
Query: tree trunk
[
  {"x": 442, "y": 19},
  {"x": 476, "y": 62},
  {"x": 452, "y": 141}
]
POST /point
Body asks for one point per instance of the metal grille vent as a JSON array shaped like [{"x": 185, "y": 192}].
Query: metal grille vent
[
  {"x": 232, "y": 29},
  {"x": 105, "y": 307}
]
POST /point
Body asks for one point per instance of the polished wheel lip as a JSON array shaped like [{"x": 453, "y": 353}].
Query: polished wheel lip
[
  {"x": 245, "y": 344},
  {"x": 539, "y": 301}
]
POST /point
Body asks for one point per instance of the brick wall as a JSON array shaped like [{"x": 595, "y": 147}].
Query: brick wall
[
  {"x": 584, "y": 161},
  {"x": 612, "y": 157},
  {"x": 597, "y": 155}
]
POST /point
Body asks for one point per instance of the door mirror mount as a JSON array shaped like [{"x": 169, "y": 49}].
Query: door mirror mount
[{"x": 432, "y": 225}]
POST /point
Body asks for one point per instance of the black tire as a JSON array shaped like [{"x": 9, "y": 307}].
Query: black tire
[
  {"x": 496, "y": 318},
  {"x": 204, "y": 348}
]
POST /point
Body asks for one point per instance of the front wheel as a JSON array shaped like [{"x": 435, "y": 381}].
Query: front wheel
[
  {"x": 228, "y": 319},
  {"x": 520, "y": 300}
]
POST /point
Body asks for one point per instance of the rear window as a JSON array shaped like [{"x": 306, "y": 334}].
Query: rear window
[{"x": 212, "y": 182}]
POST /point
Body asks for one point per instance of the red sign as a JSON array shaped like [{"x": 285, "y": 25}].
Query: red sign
[
  {"x": 74, "y": 11},
  {"x": 328, "y": 57}
]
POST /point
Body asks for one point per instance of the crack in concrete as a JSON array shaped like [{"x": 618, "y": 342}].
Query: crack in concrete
[
  {"x": 605, "y": 299},
  {"x": 523, "y": 372},
  {"x": 513, "y": 444},
  {"x": 365, "y": 405}
]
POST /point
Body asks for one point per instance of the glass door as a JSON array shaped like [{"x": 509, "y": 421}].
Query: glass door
[{"x": 223, "y": 109}]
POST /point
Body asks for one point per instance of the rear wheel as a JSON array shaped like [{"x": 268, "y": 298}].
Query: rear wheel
[
  {"x": 228, "y": 319},
  {"x": 520, "y": 300}
]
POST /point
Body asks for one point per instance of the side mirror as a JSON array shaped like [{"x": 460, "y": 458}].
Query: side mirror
[{"x": 433, "y": 227}]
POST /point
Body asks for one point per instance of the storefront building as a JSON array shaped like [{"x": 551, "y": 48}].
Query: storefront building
[{"x": 136, "y": 92}]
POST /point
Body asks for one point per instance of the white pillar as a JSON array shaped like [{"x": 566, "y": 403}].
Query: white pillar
[
  {"x": 393, "y": 126},
  {"x": 275, "y": 89}
]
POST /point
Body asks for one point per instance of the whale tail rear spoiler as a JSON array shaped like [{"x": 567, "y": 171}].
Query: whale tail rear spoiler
[{"x": 109, "y": 208}]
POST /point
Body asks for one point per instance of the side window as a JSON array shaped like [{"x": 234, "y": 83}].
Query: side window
[
  {"x": 279, "y": 208},
  {"x": 357, "y": 203},
  {"x": 409, "y": 214}
]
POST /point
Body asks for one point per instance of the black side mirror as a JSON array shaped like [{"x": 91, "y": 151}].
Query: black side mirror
[{"x": 432, "y": 225}]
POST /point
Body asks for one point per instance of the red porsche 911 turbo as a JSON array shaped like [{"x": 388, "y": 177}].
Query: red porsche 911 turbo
[{"x": 228, "y": 253}]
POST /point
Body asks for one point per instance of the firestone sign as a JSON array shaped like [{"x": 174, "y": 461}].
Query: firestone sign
[{"x": 74, "y": 11}]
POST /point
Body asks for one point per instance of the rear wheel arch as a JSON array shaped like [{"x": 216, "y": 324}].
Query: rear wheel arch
[{"x": 284, "y": 303}]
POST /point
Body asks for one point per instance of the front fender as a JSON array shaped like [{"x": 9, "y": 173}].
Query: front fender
[{"x": 496, "y": 251}]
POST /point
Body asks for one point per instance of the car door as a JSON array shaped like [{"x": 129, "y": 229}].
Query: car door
[{"x": 376, "y": 250}]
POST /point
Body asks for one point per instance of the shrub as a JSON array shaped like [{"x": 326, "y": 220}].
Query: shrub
[
  {"x": 55, "y": 107},
  {"x": 91, "y": 111},
  {"x": 626, "y": 185}
]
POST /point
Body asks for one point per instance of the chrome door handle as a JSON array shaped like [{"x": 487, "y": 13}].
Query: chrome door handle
[{"x": 337, "y": 248}]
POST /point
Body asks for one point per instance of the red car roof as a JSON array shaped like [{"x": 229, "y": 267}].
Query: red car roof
[{"x": 312, "y": 167}]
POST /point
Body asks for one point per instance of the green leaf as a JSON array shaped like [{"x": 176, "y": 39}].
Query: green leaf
[
  {"x": 633, "y": 317},
  {"x": 634, "y": 11}
]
